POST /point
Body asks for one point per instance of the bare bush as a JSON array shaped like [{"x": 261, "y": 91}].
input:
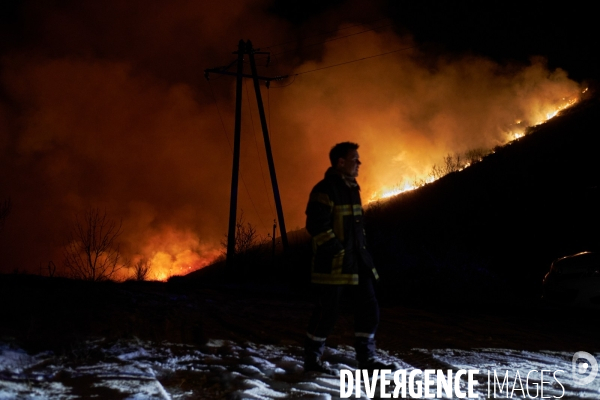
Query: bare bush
[
  {"x": 92, "y": 252},
  {"x": 141, "y": 270},
  {"x": 418, "y": 182},
  {"x": 246, "y": 236},
  {"x": 475, "y": 155},
  {"x": 437, "y": 171},
  {"x": 452, "y": 163},
  {"x": 51, "y": 269}
]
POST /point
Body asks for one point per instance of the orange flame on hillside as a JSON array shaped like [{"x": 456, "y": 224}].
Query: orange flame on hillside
[
  {"x": 548, "y": 111},
  {"x": 175, "y": 252}
]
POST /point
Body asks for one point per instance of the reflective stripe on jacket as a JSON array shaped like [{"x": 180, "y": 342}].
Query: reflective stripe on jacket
[{"x": 334, "y": 219}]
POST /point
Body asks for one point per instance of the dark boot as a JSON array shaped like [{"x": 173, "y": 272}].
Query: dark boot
[
  {"x": 313, "y": 350},
  {"x": 365, "y": 355},
  {"x": 365, "y": 349},
  {"x": 316, "y": 365}
]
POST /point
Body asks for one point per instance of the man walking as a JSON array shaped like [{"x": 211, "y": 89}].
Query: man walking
[{"x": 341, "y": 262}]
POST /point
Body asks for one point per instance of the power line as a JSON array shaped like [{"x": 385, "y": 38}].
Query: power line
[
  {"x": 286, "y": 85},
  {"x": 337, "y": 65},
  {"x": 353, "y": 61},
  {"x": 332, "y": 39},
  {"x": 214, "y": 98},
  {"x": 269, "y": 61},
  {"x": 324, "y": 33}
]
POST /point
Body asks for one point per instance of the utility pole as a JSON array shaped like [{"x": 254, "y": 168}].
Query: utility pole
[
  {"x": 263, "y": 123},
  {"x": 236, "y": 156},
  {"x": 243, "y": 49}
]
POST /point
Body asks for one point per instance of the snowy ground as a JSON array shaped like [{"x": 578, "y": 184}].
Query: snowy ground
[{"x": 136, "y": 369}]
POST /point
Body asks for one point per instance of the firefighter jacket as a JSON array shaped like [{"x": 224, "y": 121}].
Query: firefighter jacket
[{"x": 334, "y": 219}]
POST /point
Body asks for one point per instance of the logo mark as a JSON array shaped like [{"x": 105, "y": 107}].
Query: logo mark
[{"x": 581, "y": 368}]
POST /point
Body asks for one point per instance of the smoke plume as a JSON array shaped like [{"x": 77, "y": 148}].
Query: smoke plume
[{"x": 105, "y": 105}]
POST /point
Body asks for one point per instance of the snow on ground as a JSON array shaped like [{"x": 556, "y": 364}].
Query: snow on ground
[{"x": 135, "y": 369}]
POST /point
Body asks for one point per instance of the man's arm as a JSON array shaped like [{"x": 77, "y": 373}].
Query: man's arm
[{"x": 319, "y": 222}]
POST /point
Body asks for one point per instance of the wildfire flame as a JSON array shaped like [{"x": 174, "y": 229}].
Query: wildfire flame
[
  {"x": 513, "y": 135},
  {"x": 175, "y": 252}
]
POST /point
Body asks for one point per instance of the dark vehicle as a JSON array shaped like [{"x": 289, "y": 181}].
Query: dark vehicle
[{"x": 574, "y": 280}]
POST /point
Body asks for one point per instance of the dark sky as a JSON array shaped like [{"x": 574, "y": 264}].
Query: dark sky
[
  {"x": 104, "y": 104},
  {"x": 565, "y": 33}
]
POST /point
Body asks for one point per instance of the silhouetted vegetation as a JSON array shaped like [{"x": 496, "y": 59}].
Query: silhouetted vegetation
[
  {"x": 251, "y": 249},
  {"x": 457, "y": 162},
  {"x": 246, "y": 236},
  {"x": 92, "y": 252},
  {"x": 50, "y": 269},
  {"x": 141, "y": 269},
  {"x": 475, "y": 155}
]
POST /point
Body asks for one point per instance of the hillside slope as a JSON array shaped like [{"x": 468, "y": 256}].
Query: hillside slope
[{"x": 498, "y": 224}]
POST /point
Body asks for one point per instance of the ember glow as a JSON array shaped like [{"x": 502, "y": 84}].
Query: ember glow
[{"x": 124, "y": 121}]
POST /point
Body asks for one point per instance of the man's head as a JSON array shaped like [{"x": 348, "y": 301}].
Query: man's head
[{"x": 344, "y": 158}]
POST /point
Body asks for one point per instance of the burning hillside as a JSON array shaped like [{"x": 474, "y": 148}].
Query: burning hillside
[
  {"x": 105, "y": 107},
  {"x": 458, "y": 162}
]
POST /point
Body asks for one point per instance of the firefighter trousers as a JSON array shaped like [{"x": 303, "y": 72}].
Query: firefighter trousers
[{"x": 326, "y": 311}]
